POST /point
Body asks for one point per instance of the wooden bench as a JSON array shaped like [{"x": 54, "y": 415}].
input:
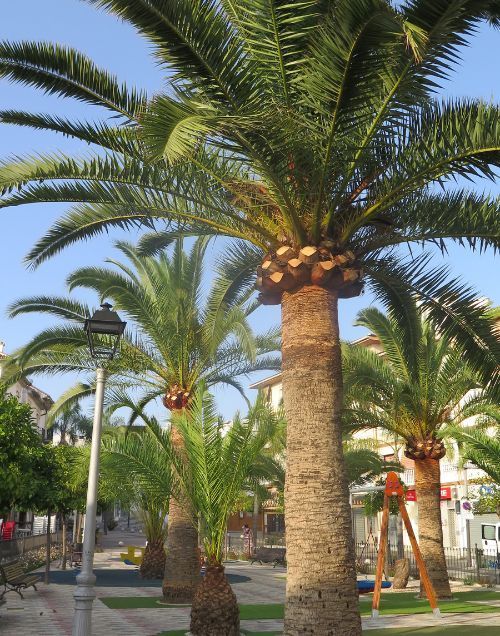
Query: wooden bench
[
  {"x": 76, "y": 552},
  {"x": 276, "y": 556},
  {"x": 14, "y": 579}
]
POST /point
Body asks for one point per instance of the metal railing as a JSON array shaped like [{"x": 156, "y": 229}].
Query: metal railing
[
  {"x": 235, "y": 545},
  {"x": 466, "y": 564},
  {"x": 13, "y": 548}
]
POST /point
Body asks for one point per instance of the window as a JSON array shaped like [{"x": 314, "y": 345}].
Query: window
[
  {"x": 275, "y": 523},
  {"x": 488, "y": 533}
]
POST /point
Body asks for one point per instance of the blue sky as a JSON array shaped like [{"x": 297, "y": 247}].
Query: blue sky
[{"x": 117, "y": 47}]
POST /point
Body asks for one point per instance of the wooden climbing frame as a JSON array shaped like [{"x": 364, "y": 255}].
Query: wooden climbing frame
[{"x": 393, "y": 488}]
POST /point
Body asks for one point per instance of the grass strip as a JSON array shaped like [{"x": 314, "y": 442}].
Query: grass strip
[
  {"x": 405, "y": 603},
  {"x": 247, "y": 612},
  {"x": 462, "y": 603},
  {"x": 136, "y": 602},
  {"x": 456, "y": 630}
]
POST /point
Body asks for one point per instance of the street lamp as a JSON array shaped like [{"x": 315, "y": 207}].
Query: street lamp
[{"x": 104, "y": 331}]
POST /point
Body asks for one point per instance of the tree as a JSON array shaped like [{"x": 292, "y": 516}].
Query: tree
[
  {"x": 482, "y": 446},
  {"x": 212, "y": 467},
  {"x": 24, "y": 462},
  {"x": 178, "y": 338},
  {"x": 71, "y": 423},
  {"x": 311, "y": 134},
  {"x": 128, "y": 461},
  {"x": 421, "y": 385}
]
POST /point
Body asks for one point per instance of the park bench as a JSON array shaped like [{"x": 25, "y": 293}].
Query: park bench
[
  {"x": 14, "y": 579},
  {"x": 76, "y": 554},
  {"x": 276, "y": 556}
]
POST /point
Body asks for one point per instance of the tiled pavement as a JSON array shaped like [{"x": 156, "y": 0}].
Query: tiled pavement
[{"x": 49, "y": 611}]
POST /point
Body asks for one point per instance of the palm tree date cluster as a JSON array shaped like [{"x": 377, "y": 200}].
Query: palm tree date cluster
[
  {"x": 177, "y": 398},
  {"x": 430, "y": 448},
  {"x": 289, "y": 269}
]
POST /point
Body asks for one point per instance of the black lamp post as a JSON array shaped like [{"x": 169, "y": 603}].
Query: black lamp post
[{"x": 104, "y": 331}]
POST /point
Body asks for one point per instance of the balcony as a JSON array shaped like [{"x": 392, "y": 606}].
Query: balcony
[{"x": 450, "y": 473}]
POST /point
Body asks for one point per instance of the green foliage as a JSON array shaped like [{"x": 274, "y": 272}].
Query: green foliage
[
  {"x": 24, "y": 461},
  {"x": 33, "y": 475},
  {"x": 282, "y": 122},
  {"x": 175, "y": 334},
  {"x": 487, "y": 502},
  {"x": 480, "y": 444},
  {"x": 422, "y": 386}
]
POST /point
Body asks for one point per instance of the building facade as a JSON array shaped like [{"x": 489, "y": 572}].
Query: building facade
[{"x": 27, "y": 393}]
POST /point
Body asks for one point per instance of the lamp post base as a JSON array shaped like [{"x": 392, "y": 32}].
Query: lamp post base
[{"x": 84, "y": 596}]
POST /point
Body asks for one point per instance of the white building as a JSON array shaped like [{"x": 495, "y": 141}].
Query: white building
[{"x": 27, "y": 393}]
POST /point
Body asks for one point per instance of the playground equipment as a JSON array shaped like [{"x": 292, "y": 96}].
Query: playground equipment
[
  {"x": 131, "y": 557},
  {"x": 393, "y": 488}
]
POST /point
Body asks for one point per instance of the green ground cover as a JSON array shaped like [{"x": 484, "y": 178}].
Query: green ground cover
[
  {"x": 405, "y": 603},
  {"x": 456, "y": 630},
  {"x": 247, "y": 612}
]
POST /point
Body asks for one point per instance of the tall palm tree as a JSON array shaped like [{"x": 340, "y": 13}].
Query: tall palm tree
[
  {"x": 178, "y": 338},
  {"x": 419, "y": 387},
  {"x": 311, "y": 134}
]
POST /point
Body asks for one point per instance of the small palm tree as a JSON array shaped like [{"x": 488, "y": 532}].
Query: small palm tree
[
  {"x": 178, "y": 339},
  {"x": 216, "y": 461},
  {"x": 419, "y": 387},
  {"x": 135, "y": 463},
  {"x": 311, "y": 133}
]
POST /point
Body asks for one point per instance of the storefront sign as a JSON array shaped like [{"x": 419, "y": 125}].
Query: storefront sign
[{"x": 445, "y": 494}]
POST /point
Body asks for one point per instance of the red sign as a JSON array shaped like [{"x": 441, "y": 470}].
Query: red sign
[{"x": 445, "y": 494}]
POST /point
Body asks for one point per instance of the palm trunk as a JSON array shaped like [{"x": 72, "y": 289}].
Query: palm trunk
[
  {"x": 430, "y": 530},
  {"x": 47, "y": 550},
  {"x": 321, "y": 587},
  {"x": 153, "y": 561},
  {"x": 182, "y": 563},
  {"x": 255, "y": 520},
  {"x": 64, "y": 557},
  {"x": 399, "y": 537},
  {"x": 215, "y": 609}
]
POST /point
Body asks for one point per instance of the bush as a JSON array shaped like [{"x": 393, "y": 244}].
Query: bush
[
  {"x": 36, "y": 558},
  {"x": 111, "y": 524}
]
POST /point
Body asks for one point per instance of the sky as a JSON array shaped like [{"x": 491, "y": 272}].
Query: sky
[{"x": 117, "y": 47}]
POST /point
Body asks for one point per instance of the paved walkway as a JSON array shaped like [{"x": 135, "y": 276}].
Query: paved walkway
[{"x": 49, "y": 612}]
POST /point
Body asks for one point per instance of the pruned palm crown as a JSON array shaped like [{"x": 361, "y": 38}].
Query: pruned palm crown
[{"x": 309, "y": 132}]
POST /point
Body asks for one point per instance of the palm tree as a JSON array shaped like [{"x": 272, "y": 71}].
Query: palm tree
[
  {"x": 482, "y": 447},
  {"x": 213, "y": 465},
  {"x": 71, "y": 423},
  {"x": 128, "y": 461},
  {"x": 180, "y": 338},
  {"x": 311, "y": 134},
  {"x": 421, "y": 385}
]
